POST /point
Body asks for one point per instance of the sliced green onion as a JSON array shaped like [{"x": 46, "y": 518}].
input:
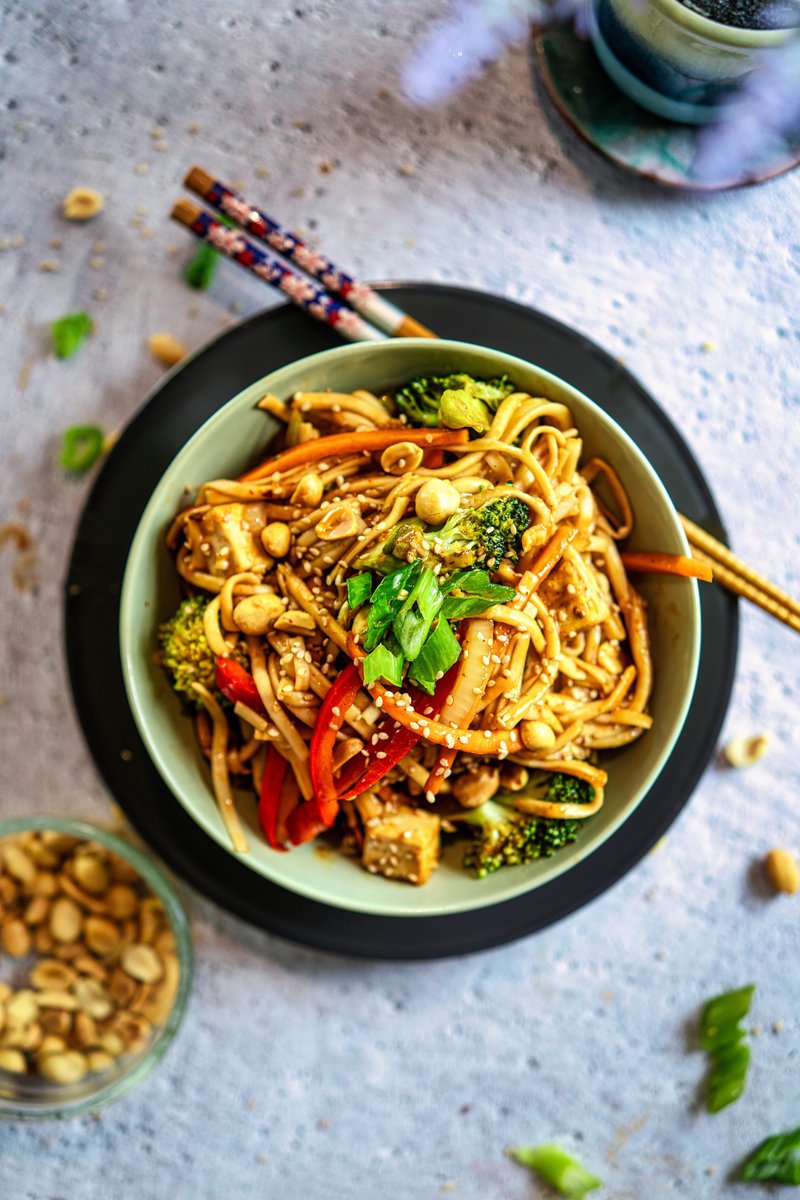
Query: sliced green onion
[
  {"x": 359, "y": 590},
  {"x": 559, "y": 1169},
  {"x": 201, "y": 268},
  {"x": 777, "y": 1158},
  {"x": 412, "y": 624},
  {"x": 387, "y": 600},
  {"x": 383, "y": 664},
  {"x": 727, "y": 1079},
  {"x": 456, "y": 607},
  {"x": 473, "y": 581},
  {"x": 70, "y": 332},
  {"x": 81, "y": 447},
  {"x": 721, "y": 1013},
  {"x": 437, "y": 656}
]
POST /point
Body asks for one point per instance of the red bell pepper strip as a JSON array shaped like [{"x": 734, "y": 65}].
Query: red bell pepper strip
[
  {"x": 238, "y": 684},
  {"x": 272, "y": 783},
  {"x": 328, "y": 723},
  {"x": 304, "y": 823}
]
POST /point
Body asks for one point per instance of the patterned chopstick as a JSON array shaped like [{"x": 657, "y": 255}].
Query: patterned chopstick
[
  {"x": 301, "y": 291},
  {"x": 360, "y": 296}
]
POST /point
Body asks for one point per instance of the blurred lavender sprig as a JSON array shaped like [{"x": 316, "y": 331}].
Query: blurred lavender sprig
[
  {"x": 756, "y": 119},
  {"x": 476, "y": 33}
]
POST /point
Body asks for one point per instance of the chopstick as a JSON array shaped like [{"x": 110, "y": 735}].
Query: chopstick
[
  {"x": 353, "y": 324},
  {"x": 733, "y": 573},
  {"x": 301, "y": 291},
  {"x": 360, "y": 296}
]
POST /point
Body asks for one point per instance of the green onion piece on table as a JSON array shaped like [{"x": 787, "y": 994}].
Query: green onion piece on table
[
  {"x": 201, "y": 267},
  {"x": 721, "y": 1015},
  {"x": 722, "y": 1037},
  {"x": 359, "y": 590},
  {"x": 776, "y": 1160},
  {"x": 81, "y": 447},
  {"x": 70, "y": 332},
  {"x": 559, "y": 1169},
  {"x": 728, "y": 1075}
]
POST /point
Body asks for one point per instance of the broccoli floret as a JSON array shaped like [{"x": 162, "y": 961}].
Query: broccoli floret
[
  {"x": 185, "y": 654},
  {"x": 503, "y": 837},
  {"x": 472, "y": 537},
  {"x": 566, "y": 789},
  {"x": 420, "y": 400},
  {"x": 481, "y": 536}
]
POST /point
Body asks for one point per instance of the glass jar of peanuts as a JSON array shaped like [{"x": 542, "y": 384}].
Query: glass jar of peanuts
[{"x": 95, "y": 966}]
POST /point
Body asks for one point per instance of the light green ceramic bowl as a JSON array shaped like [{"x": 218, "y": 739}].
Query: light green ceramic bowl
[{"x": 234, "y": 439}]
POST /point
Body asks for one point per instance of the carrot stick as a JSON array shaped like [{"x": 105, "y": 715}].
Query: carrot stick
[
  {"x": 667, "y": 564},
  {"x": 337, "y": 445}
]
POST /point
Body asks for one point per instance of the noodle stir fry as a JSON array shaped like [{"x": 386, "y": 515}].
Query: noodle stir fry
[{"x": 412, "y": 621}]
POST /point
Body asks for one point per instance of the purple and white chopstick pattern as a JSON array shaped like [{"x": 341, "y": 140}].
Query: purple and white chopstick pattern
[
  {"x": 359, "y": 296},
  {"x": 315, "y": 301}
]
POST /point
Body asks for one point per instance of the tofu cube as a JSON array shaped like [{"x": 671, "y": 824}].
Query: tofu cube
[
  {"x": 232, "y": 532},
  {"x": 403, "y": 844},
  {"x": 573, "y": 596}
]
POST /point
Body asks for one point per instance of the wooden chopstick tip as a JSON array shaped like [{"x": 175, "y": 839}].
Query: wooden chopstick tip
[
  {"x": 185, "y": 211},
  {"x": 198, "y": 180}
]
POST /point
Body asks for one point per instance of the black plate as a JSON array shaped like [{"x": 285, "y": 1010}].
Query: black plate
[{"x": 171, "y": 414}]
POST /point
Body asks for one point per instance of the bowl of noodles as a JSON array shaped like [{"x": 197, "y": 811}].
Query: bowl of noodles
[{"x": 409, "y": 628}]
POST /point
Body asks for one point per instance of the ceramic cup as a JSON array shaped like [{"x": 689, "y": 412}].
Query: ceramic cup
[{"x": 674, "y": 61}]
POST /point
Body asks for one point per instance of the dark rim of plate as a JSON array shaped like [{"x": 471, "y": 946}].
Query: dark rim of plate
[{"x": 175, "y": 408}]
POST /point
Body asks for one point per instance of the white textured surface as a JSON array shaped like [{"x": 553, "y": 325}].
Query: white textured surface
[{"x": 424, "y": 1072}]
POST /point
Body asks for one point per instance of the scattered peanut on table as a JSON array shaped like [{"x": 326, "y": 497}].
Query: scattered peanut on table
[{"x": 108, "y": 971}]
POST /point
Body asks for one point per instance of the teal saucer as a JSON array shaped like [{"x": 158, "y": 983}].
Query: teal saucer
[{"x": 649, "y": 146}]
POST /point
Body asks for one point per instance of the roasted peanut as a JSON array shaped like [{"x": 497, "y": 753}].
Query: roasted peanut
[
  {"x": 294, "y": 620},
  {"x": 15, "y": 937},
  {"x": 473, "y": 788},
  {"x": 782, "y": 871},
  {"x": 276, "y": 538},
  {"x": 51, "y": 975},
  {"x": 91, "y": 873},
  {"x": 13, "y": 1060},
  {"x": 65, "y": 919},
  {"x": 82, "y": 203},
  {"x": 19, "y": 865},
  {"x": 36, "y": 911},
  {"x": 536, "y": 735},
  {"x": 744, "y": 751},
  {"x": 308, "y": 492},
  {"x": 65, "y": 1066},
  {"x": 102, "y": 935},
  {"x": 513, "y": 777},
  {"x": 166, "y": 348},
  {"x": 436, "y": 500},
  {"x": 339, "y": 521},
  {"x": 142, "y": 963},
  {"x": 256, "y": 614},
  {"x": 400, "y": 458}
]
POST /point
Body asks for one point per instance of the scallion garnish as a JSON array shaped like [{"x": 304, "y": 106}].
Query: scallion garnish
[
  {"x": 81, "y": 447},
  {"x": 69, "y": 333},
  {"x": 722, "y": 1037},
  {"x": 559, "y": 1169},
  {"x": 776, "y": 1160},
  {"x": 382, "y": 663},
  {"x": 359, "y": 589},
  {"x": 201, "y": 268}
]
